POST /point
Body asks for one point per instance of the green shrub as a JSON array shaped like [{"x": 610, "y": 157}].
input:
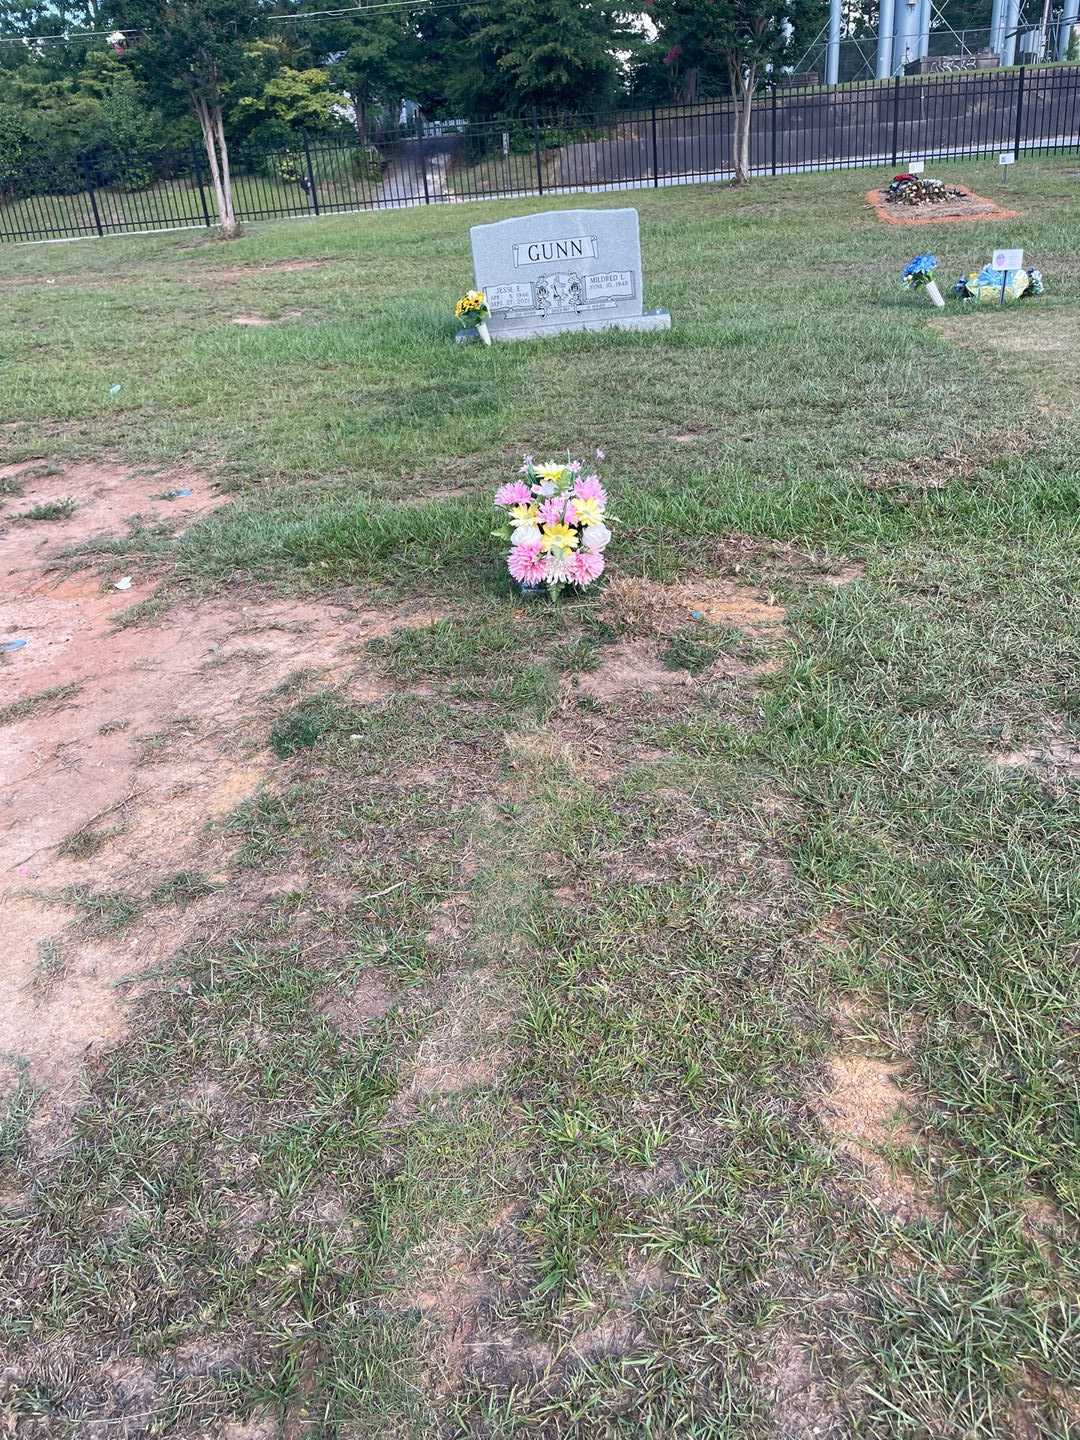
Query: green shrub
[{"x": 366, "y": 163}]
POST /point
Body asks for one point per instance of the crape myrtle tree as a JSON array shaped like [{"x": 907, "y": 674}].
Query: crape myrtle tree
[
  {"x": 192, "y": 53},
  {"x": 746, "y": 38}
]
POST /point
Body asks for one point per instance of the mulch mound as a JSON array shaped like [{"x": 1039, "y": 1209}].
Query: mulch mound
[{"x": 967, "y": 206}]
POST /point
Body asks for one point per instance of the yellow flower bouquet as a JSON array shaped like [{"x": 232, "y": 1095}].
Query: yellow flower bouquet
[{"x": 472, "y": 310}]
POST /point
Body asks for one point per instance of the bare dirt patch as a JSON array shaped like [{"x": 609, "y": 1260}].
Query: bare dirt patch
[
  {"x": 791, "y": 1379},
  {"x": 161, "y": 730},
  {"x": 1054, "y": 759},
  {"x": 643, "y": 607},
  {"x": 968, "y": 206},
  {"x": 630, "y": 668},
  {"x": 959, "y": 462},
  {"x": 864, "y": 1111},
  {"x": 211, "y": 276},
  {"x": 259, "y": 320},
  {"x": 106, "y": 498},
  {"x": 467, "y": 1046},
  {"x": 351, "y": 1011}
]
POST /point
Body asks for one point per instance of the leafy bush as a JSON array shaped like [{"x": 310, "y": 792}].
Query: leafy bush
[
  {"x": 13, "y": 139},
  {"x": 366, "y": 163}
]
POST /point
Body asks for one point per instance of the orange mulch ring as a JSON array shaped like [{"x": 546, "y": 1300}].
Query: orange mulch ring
[{"x": 968, "y": 206}]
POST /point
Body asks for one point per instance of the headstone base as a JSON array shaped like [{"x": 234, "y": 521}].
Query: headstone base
[{"x": 650, "y": 320}]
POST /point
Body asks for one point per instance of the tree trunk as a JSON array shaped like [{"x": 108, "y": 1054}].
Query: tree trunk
[
  {"x": 228, "y": 228},
  {"x": 743, "y": 84},
  {"x": 217, "y": 155},
  {"x": 361, "y": 112},
  {"x": 211, "y": 155}
]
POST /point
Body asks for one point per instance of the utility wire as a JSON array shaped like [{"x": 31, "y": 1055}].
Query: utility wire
[{"x": 380, "y": 6}]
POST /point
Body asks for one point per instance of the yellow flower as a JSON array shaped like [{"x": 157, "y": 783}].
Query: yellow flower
[
  {"x": 559, "y": 538},
  {"x": 476, "y": 296},
  {"x": 549, "y": 471},
  {"x": 588, "y": 512},
  {"x": 522, "y": 514}
]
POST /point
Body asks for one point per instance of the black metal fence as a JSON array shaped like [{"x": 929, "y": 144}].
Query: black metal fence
[{"x": 934, "y": 117}]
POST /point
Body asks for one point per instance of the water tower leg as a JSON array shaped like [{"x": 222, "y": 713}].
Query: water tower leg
[
  {"x": 883, "y": 66},
  {"x": 1070, "y": 19},
  {"x": 832, "y": 52}
]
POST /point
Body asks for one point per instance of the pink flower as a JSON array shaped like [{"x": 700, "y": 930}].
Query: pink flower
[
  {"x": 551, "y": 511},
  {"x": 526, "y": 565},
  {"x": 575, "y": 467},
  {"x": 556, "y": 571},
  {"x": 584, "y": 566},
  {"x": 526, "y": 464},
  {"x": 600, "y": 455},
  {"x": 516, "y": 493},
  {"x": 591, "y": 489}
]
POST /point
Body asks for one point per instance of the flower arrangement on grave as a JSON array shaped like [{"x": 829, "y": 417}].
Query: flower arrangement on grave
[
  {"x": 472, "y": 310},
  {"x": 907, "y": 189},
  {"x": 919, "y": 274},
  {"x": 985, "y": 286},
  {"x": 556, "y": 522}
]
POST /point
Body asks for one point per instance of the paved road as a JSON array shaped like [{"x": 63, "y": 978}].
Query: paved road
[{"x": 411, "y": 163}]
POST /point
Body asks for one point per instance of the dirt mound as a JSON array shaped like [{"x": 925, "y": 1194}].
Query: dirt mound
[{"x": 966, "y": 206}]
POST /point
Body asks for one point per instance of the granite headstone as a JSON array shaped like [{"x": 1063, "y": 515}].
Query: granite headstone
[{"x": 562, "y": 270}]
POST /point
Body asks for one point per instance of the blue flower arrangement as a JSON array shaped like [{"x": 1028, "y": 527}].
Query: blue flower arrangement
[{"x": 918, "y": 272}]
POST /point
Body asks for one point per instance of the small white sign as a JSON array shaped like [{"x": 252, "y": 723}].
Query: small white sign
[
  {"x": 916, "y": 167},
  {"x": 1007, "y": 157},
  {"x": 1008, "y": 260}
]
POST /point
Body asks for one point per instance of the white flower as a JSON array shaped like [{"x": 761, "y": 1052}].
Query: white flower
[
  {"x": 555, "y": 572},
  {"x": 596, "y": 536},
  {"x": 545, "y": 488},
  {"x": 527, "y": 534}
]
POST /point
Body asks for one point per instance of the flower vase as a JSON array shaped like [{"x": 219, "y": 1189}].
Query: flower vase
[
  {"x": 935, "y": 294},
  {"x": 482, "y": 331},
  {"x": 538, "y": 591}
]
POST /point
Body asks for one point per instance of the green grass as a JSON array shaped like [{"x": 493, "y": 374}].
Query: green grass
[
  {"x": 52, "y": 698},
  {"x": 493, "y": 1095},
  {"x": 49, "y": 510}
]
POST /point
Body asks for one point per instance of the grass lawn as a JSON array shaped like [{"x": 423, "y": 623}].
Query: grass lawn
[{"x": 608, "y": 1022}]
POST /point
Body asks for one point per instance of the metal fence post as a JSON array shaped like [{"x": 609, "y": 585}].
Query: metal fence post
[
  {"x": 895, "y": 119},
  {"x": 93, "y": 197},
  {"x": 1019, "y": 112},
  {"x": 655, "y": 153},
  {"x": 772, "y": 134},
  {"x": 196, "y": 169},
  {"x": 420, "y": 153},
  {"x": 313, "y": 194},
  {"x": 539, "y": 159}
]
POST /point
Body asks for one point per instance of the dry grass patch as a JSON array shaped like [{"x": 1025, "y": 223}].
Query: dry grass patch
[
  {"x": 644, "y": 607},
  {"x": 1037, "y": 343},
  {"x": 1054, "y": 759},
  {"x": 864, "y": 1111}
]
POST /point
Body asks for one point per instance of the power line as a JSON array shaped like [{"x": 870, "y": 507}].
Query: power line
[{"x": 380, "y": 6}]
